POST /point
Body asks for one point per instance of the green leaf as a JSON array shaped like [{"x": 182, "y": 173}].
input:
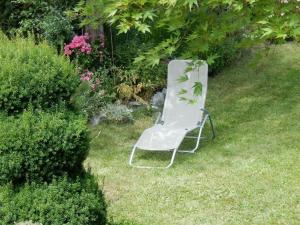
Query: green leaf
[
  {"x": 182, "y": 91},
  {"x": 197, "y": 88},
  {"x": 170, "y": 50},
  {"x": 137, "y": 16},
  {"x": 262, "y": 22},
  {"x": 143, "y": 27},
  {"x": 191, "y": 3},
  {"x": 153, "y": 61},
  {"x": 183, "y": 78},
  {"x": 267, "y": 31},
  {"x": 192, "y": 101},
  {"x": 281, "y": 36},
  {"x": 189, "y": 68},
  {"x": 112, "y": 13},
  {"x": 211, "y": 59},
  {"x": 139, "y": 59},
  {"x": 183, "y": 99},
  {"x": 149, "y": 15},
  {"x": 123, "y": 28}
]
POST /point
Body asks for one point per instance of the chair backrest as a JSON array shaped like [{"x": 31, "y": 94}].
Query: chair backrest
[{"x": 176, "y": 111}]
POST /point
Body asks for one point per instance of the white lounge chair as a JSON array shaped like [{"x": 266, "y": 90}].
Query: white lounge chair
[{"x": 178, "y": 117}]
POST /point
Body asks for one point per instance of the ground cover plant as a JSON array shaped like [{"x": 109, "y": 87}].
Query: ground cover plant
[{"x": 248, "y": 175}]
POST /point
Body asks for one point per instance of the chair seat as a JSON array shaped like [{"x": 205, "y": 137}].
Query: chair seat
[{"x": 162, "y": 137}]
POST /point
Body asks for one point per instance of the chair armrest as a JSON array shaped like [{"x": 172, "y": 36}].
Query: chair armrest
[
  {"x": 157, "y": 109},
  {"x": 158, "y": 118},
  {"x": 207, "y": 115},
  {"x": 205, "y": 111}
]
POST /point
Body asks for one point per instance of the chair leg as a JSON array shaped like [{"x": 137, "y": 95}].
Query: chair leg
[
  {"x": 173, "y": 157},
  {"x": 212, "y": 128},
  {"x": 151, "y": 167},
  {"x": 132, "y": 155},
  {"x": 198, "y": 138}
]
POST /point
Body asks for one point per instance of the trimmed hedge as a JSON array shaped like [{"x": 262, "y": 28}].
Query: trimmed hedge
[
  {"x": 40, "y": 145},
  {"x": 33, "y": 74},
  {"x": 61, "y": 202}
]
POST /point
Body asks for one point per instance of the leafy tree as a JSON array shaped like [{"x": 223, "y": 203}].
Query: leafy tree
[{"x": 190, "y": 28}]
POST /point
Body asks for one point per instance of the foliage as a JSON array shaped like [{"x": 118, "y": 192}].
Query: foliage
[
  {"x": 25, "y": 15},
  {"x": 28, "y": 223},
  {"x": 83, "y": 52},
  {"x": 44, "y": 139},
  {"x": 191, "y": 28},
  {"x": 56, "y": 28},
  {"x": 117, "y": 113},
  {"x": 138, "y": 83},
  {"x": 89, "y": 101},
  {"x": 33, "y": 74},
  {"x": 225, "y": 53},
  {"x": 40, "y": 145},
  {"x": 63, "y": 201}
]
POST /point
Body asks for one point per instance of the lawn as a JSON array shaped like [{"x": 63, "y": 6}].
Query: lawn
[{"x": 250, "y": 174}]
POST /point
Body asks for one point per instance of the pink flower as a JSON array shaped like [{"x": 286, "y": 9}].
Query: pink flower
[
  {"x": 67, "y": 50},
  {"x": 87, "y": 76},
  {"x": 86, "y": 48},
  {"x": 80, "y": 43}
]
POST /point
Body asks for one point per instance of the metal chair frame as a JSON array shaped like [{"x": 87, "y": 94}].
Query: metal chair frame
[{"x": 206, "y": 116}]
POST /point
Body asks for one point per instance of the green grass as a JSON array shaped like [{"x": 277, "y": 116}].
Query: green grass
[{"x": 250, "y": 174}]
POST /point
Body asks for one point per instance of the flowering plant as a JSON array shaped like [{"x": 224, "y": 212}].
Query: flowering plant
[
  {"x": 79, "y": 43},
  {"x": 88, "y": 76},
  {"x": 87, "y": 52}
]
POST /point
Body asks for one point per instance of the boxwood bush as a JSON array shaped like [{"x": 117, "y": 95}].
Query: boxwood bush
[
  {"x": 63, "y": 201},
  {"x": 38, "y": 145},
  {"x": 33, "y": 74}
]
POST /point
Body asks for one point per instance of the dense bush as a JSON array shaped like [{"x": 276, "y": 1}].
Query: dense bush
[
  {"x": 63, "y": 201},
  {"x": 28, "y": 223},
  {"x": 227, "y": 52},
  {"x": 43, "y": 138},
  {"x": 91, "y": 102},
  {"x": 25, "y": 15},
  {"x": 40, "y": 145},
  {"x": 56, "y": 28},
  {"x": 33, "y": 74}
]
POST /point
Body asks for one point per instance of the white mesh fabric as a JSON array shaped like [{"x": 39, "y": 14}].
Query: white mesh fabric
[
  {"x": 179, "y": 117},
  {"x": 181, "y": 113}
]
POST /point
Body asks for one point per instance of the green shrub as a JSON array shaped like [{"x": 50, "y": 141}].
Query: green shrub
[
  {"x": 40, "y": 145},
  {"x": 91, "y": 102},
  {"x": 117, "y": 113},
  {"x": 227, "y": 52},
  {"x": 28, "y": 223},
  {"x": 23, "y": 16},
  {"x": 56, "y": 28},
  {"x": 33, "y": 74},
  {"x": 63, "y": 201}
]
